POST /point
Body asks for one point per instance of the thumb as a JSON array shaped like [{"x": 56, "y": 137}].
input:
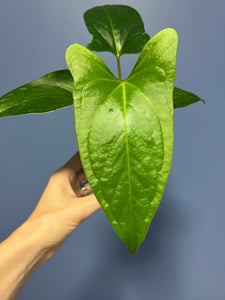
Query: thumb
[{"x": 86, "y": 206}]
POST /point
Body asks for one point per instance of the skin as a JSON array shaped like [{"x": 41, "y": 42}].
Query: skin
[{"x": 59, "y": 212}]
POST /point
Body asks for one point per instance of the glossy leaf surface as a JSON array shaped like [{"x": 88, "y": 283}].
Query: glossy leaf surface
[
  {"x": 48, "y": 93},
  {"x": 183, "y": 98},
  {"x": 115, "y": 28},
  {"x": 125, "y": 132}
]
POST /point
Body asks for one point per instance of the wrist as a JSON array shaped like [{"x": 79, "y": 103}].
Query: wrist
[{"x": 28, "y": 239}]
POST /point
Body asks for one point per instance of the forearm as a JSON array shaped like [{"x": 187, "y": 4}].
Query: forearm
[
  {"x": 21, "y": 254},
  {"x": 58, "y": 213}
]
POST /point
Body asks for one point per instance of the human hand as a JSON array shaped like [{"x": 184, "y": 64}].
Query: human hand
[{"x": 63, "y": 205}]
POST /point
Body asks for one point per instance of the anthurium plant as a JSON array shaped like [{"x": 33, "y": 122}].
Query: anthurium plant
[{"x": 124, "y": 128}]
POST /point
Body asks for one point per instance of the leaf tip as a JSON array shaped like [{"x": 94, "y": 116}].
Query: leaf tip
[
  {"x": 203, "y": 101},
  {"x": 132, "y": 252},
  {"x": 133, "y": 248}
]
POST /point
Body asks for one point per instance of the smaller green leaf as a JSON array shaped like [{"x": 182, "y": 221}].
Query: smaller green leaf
[
  {"x": 48, "y": 93},
  {"x": 183, "y": 98},
  {"x": 115, "y": 28}
]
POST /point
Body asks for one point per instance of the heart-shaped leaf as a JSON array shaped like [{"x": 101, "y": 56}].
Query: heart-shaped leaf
[
  {"x": 48, "y": 93},
  {"x": 115, "y": 28},
  {"x": 125, "y": 132}
]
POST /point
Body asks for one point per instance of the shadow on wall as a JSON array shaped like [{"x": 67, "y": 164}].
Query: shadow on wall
[{"x": 156, "y": 270}]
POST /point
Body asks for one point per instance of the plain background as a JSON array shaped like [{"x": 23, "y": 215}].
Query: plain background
[{"x": 183, "y": 255}]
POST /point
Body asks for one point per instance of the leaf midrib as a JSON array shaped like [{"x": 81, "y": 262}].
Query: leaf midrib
[
  {"x": 113, "y": 33},
  {"x": 128, "y": 162}
]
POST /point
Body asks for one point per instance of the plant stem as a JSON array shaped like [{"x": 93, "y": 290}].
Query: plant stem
[{"x": 119, "y": 68}]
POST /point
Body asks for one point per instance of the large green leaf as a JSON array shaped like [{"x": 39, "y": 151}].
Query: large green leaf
[
  {"x": 115, "y": 28},
  {"x": 125, "y": 132},
  {"x": 183, "y": 98},
  {"x": 48, "y": 93}
]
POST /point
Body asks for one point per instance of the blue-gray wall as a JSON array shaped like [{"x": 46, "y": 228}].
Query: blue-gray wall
[{"x": 183, "y": 256}]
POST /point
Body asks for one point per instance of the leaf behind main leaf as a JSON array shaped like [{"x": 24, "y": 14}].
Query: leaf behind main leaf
[
  {"x": 115, "y": 28},
  {"x": 50, "y": 92},
  {"x": 54, "y": 91},
  {"x": 183, "y": 98}
]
